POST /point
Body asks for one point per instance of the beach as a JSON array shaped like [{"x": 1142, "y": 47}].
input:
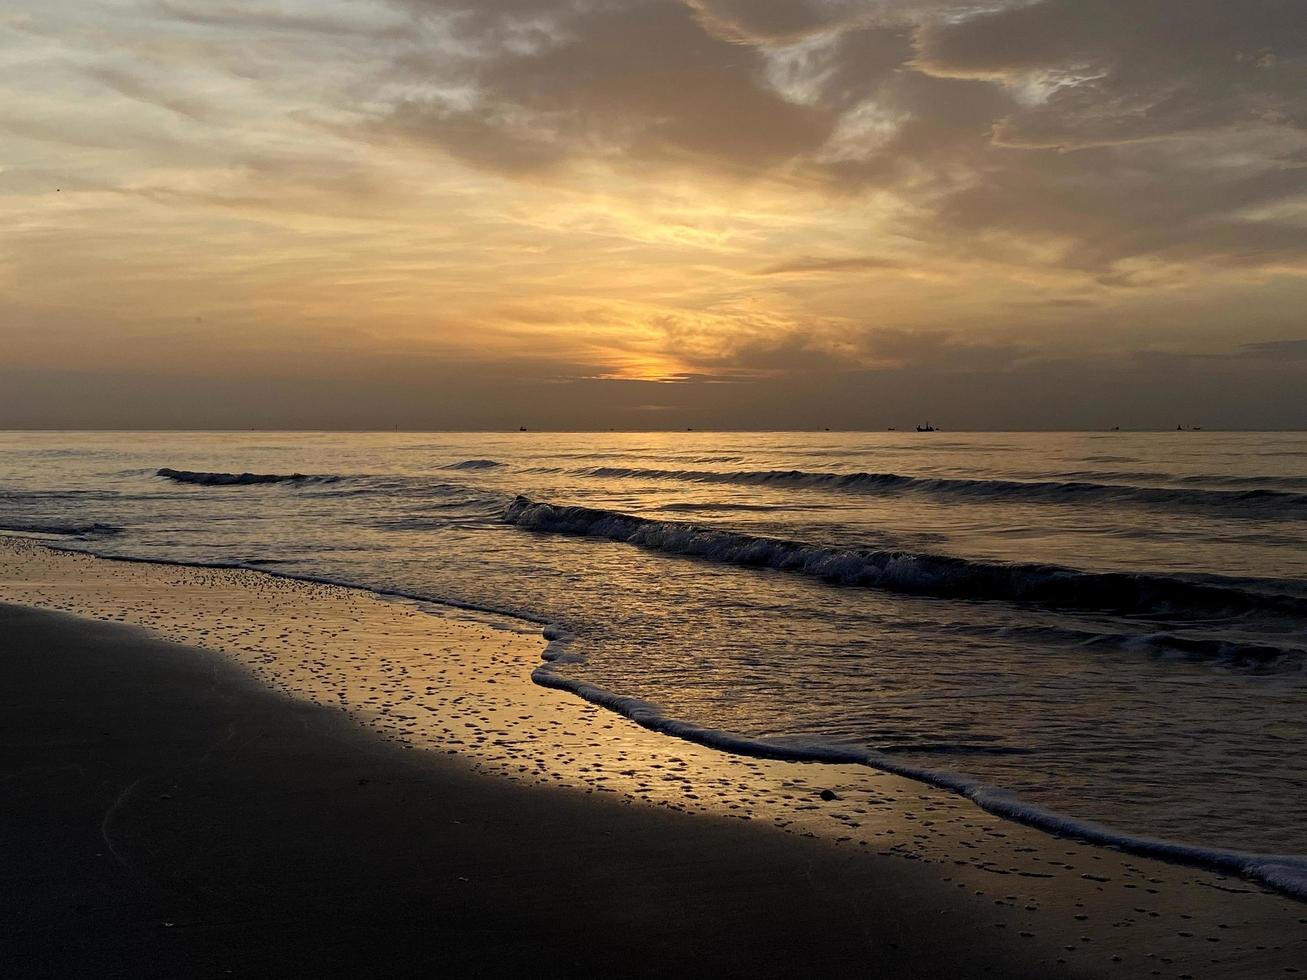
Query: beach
[
  {"x": 225, "y": 770},
  {"x": 653, "y": 487}
]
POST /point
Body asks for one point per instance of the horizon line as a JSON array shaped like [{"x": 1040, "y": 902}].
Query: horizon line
[{"x": 689, "y": 430}]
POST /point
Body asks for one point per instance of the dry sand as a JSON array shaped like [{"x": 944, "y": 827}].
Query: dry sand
[{"x": 889, "y": 875}]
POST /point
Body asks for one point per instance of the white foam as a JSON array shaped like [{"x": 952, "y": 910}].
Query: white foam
[{"x": 1285, "y": 873}]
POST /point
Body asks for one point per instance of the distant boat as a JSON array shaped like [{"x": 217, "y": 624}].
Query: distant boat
[
  {"x": 927, "y": 428},
  {"x": 521, "y": 428}
]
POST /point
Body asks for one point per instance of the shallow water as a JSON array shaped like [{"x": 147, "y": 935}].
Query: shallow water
[{"x": 1109, "y": 625}]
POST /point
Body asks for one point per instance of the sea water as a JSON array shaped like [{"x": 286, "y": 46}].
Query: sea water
[{"x": 1089, "y": 630}]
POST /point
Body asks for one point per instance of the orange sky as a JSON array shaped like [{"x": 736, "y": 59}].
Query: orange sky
[{"x": 536, "y": 203}]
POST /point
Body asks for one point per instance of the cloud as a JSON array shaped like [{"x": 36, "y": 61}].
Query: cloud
[
  {"x": 484, "y": 137},
  {"x": 1161, "y": 129},
  {"x": 159, "y": 92},
  {"x": 818, "y": 265},
  {"x": 1100, "y": 207},
  {"x": 245, "y": 16},
  {"x": 626, "y": 82},
  {"x": 1089, "y": 131},
  {"x": 940, "y": 351},
  {"x": 774, "y": 22},
  {"x": 726, "y": 190},
  {"x": 1099, "y": 72},
  {"x": 796, "y": 352}
]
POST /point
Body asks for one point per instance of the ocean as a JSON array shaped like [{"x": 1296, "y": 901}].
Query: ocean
[{"x": 1097, "y": 632}]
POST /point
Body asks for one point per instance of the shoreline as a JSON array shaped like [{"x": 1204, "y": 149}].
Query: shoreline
[
  {"x": 1048, "y": 889},
  {"x": 1285, "y": 874},
  {"x": 177, "y": 819}
]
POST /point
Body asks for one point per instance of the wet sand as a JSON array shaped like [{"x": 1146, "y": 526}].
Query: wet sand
[{"x": 453, "y": 812}]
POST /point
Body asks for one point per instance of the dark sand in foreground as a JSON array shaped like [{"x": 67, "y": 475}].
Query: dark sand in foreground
[{"x": 165, "y": 816}]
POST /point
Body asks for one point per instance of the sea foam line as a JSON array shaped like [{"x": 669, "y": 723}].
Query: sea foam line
[{"x": 1284, "y": 873}]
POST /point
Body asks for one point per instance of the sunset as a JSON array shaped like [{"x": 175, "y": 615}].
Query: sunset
[
  {"x": 480, "y": 214},
  {"x": 653, "y": 488}
]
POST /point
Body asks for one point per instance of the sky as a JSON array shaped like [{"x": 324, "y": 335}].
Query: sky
[{"x": 598, "y": 214}]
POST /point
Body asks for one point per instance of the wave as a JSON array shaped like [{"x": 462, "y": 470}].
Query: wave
[
  {"x": 943, "y": 576},
  {"x": 240, "y": 479},
  {"x": 475, "y": 464},
  {"x": 91, "y": 530},
  {"x": 688, "y": 507},
  {"x": 1233, "y": 653},
  {"x": 1258, "y": 480},
  {"x": 9, "y": 495},
  {"x": 1255, "y": 481},
  {"x": 1286, "y": 873},
  {"x": 1262, "y": 502}
]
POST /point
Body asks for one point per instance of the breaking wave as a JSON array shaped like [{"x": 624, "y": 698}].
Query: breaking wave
[
  {"x": 943, "y": 576},
  {"x": 1286, "y": 873},
  {"x": 90, "y": 530},
  {"x": 1259, "y": 501},
  {"x": 240, "y": 479}
]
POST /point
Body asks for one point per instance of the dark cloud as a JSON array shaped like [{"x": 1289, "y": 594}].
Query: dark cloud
[
  {"x": 941, "y": 351},
  {"x": 637, "y": 81},
  {"x": 1099, "y": 207},
  {"x": 1162, "y": 129},
  {"x": 1097, "y": 130},
  {"x": 834, "y": 351},
  {"x": 789, "y": 353},
  {"x": 1127, "y": 72},
  {"x": 486, "y": 138}
]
